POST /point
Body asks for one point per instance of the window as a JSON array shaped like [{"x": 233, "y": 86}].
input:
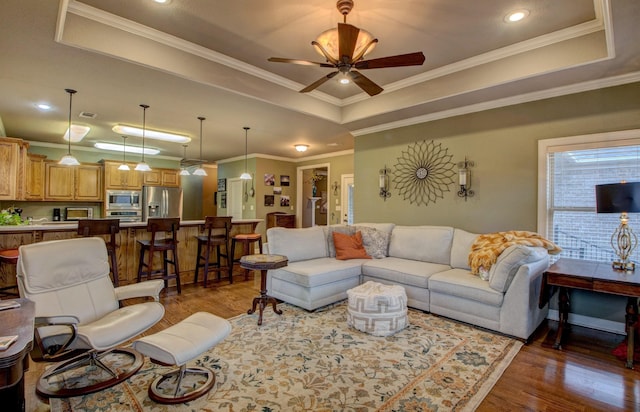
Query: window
[{"x": 569, "y": 170}]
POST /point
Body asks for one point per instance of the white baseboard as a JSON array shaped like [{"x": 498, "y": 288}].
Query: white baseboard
[{"x": 589, "y": 322}]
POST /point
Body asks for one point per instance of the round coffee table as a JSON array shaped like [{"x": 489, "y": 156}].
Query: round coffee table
[{"x": 263, "y": 263}]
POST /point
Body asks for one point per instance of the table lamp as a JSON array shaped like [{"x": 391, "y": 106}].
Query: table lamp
[{"x": 620, "y": 198}]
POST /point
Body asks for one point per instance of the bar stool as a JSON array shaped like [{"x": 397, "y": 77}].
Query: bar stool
[
  {"x": 97, "y": 227},
  {"x": 154, "y": 225},
  {"x": 218, "y": 229},
  {"x": 9, "y": 257},
  {"x": 247, "y": 240}
]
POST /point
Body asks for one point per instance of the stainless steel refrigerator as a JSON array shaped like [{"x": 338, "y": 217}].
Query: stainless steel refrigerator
[{"x": 159, "y": 201}]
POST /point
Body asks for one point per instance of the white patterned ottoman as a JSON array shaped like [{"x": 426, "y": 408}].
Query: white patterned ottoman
[{"x": 378, "y": 309}]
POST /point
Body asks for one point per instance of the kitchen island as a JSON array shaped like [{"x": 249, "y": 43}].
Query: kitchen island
[{"x": 127, "y": 247}]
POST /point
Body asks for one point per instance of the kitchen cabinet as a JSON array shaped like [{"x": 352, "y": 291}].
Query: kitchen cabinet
[
  {"x": 162, "y": 177},
  {"x": 82, "y": 183},
  {"x": 121, "y": 179},
  {"x": 34, "y": 177},
  {"x": 12, "y": 159}
]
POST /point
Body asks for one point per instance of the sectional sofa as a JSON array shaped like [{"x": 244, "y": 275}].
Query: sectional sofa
[{"x": 430, "y": 262}]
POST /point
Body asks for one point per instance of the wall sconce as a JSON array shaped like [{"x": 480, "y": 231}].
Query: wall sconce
[
  {"x": 464, "y": 179},
  {"x": 384, "y": 183},
  {"x": 335, "y": 187}
]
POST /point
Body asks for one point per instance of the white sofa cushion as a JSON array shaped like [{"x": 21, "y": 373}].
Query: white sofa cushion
[
  {"x": 385, "y": 227},
  {"x": 316, "y": 272},
  {"x": 425, "y": 243},
  {"x": 460, "y": 248},
  {"x": 502, "y": 272},
  {"x": 405, "y": 271},
  {"x": 297, "y": 244},
  {"x": 461, "y": 283}
]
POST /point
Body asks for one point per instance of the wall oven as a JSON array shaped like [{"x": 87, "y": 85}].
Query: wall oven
[
  {"x": 124, "y": 199},
  {"x": 125, "y": 215}
]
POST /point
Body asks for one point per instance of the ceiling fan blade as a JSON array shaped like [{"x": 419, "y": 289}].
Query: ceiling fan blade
[
  {"x": 347, "y": 39},
  {"x": 324, "y": 52},
  {"x": 364, "y": 83},
  {"x": 411, "y": 59},
  {"x": 296, "y": 61},
  {"x": 318, "y": 82}
]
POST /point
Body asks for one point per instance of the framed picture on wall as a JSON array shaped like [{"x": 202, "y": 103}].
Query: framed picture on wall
[
  {"x": 223, "y": 200},
  {"x": 222, "y": 185},
  {"x": 277, "y": 190},
  {"x": 284, "y": 180},
  {"x": 269, "y": 179},
  {"x": 269, "y": 200},
  {"x": 284, "y": 200}
]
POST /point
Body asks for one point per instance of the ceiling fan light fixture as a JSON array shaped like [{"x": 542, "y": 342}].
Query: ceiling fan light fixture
[{"x": 328, "y": 39}]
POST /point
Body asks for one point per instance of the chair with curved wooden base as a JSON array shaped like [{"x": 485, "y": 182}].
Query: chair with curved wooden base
[{"x": 79, "y": 320}]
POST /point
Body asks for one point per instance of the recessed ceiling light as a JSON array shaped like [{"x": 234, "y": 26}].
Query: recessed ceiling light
[
  {"x": 128, "y": 148},
  {"x": 516, "y": 15},
  {"x": 43, "y": 106}
]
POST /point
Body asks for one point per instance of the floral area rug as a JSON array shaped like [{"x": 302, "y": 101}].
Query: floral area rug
[{"x": 312, "y": 361}]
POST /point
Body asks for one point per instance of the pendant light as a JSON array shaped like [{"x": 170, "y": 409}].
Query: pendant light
[
  {"x": 183, "y": 170},
  {"x": 68, "y": 159},
  {"x": 245, "y": 175},
  {"x": 200, "y": 170},
  {"x": 124, "y": 166},
  {"x": 142, "y": 166}
]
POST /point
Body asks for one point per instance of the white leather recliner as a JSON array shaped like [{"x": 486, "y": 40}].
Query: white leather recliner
[{"x": 78, "y": 311}]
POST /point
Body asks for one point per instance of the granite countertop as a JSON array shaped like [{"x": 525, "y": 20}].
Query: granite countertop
[{"x": 53, "y": 226}]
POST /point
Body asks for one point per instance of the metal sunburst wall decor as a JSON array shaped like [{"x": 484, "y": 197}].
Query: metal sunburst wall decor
[{"x": 423, "y": 172}]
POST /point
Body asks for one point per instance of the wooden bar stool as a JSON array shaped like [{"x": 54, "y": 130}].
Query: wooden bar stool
[
  {"x": 217, "y": 229},
  {"x": 9, "y": 257},
  {"x": 247, "y": 240},
  {"x": 171, "y": 226},
  {"x": 97, "y": 227}
]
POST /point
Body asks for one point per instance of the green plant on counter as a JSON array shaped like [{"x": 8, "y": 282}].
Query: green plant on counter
[{"x": 10, "y": 217}]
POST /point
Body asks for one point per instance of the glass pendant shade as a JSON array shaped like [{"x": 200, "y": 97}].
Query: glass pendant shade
[
  {"x": 142, "y": 166},
  {"x": 69, "y": 159},
  {"x": 329, "y": 41},
  {"x": 245, "y": 175},
  {"x": 200, "y": 171},
  {"x": 184, "y": 172},
  {"x": 124, "y": 166}
]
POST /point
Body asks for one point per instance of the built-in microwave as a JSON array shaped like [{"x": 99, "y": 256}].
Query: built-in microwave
[
  {"x": 124, "y": 199},
  {"x": 78, "y": 213}
]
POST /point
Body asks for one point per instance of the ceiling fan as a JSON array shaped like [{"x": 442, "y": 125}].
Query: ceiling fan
[{"x": 352, "y": 45}]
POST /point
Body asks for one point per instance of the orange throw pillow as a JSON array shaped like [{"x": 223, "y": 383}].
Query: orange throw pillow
[{"x": 349, "y": 247}]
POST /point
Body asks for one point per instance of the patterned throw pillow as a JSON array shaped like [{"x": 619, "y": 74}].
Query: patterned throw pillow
[
  {"x": 376, "y": 242},
  {"x": 349, "y": 247}
]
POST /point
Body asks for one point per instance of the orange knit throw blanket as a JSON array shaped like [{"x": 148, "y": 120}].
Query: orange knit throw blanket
[{"x": 486, "y": 249}]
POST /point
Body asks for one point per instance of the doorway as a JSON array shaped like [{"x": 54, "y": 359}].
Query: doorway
[
  {"x": 234, "y": 198},
  {"x": 346, "y": 198},
  {"x": 312, "y": 207}
]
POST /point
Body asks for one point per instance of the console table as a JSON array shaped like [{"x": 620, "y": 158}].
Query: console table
[
  {"x": 15, "y": 360},
  {"x": 596, "y": 276}
]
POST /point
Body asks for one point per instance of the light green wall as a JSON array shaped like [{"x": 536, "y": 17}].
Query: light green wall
[
  {"x": 234, "y": 169},
  {"x": 503, "y": 145}
]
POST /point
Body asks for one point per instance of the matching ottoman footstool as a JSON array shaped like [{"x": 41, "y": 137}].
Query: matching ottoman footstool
[
  {"x": 378, "y": 309},
  {"x": 177, "y": 345}
]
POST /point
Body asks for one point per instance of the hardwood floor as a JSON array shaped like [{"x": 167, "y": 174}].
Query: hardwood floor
[{"x": 584, "y": 376}]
